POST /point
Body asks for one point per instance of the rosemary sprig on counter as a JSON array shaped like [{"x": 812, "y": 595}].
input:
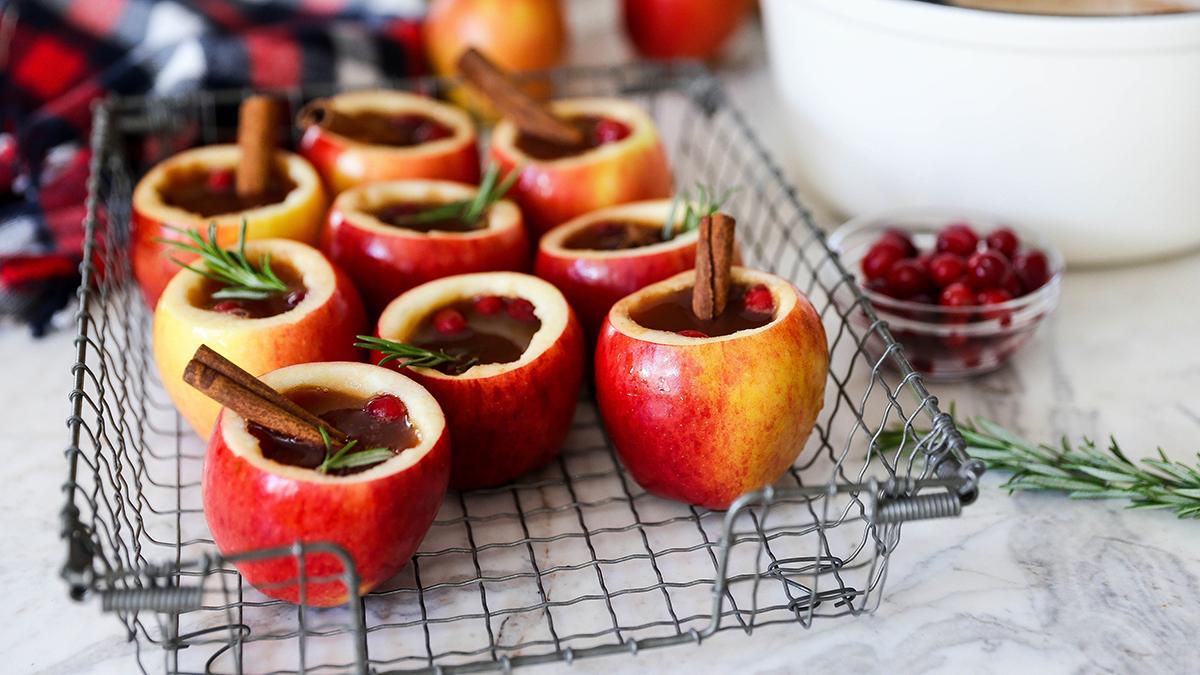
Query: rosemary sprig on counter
[
  {"x": 409, "y": 355},
  {"x": 705, "y": 204},
  {"x": 1083, "y": 470},
  {"x": 469, "y": 211},
  {"x": 231, "y": 268},
  {"x": 343, "y": 458}
]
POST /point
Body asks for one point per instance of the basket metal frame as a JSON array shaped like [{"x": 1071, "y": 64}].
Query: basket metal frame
[{"x": 113, "y": 436}]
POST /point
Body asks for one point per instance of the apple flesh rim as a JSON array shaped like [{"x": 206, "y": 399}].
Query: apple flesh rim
[
  {"x": 322, "y": 327},
  {"x": 297, "y": 217},
  {"x": 378, "y": 516},
  {"x": 551, "y": 192},
  {"x": 386, "y": 260},
  {"x": 505, "y": 419},
  {"x": 344, "y": 162},
  {"x": 705, "y": 420}
]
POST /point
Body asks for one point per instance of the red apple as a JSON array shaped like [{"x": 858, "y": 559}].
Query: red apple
[
  {"x": 654, "y": 26},
  {"x": 505, "y": 418},
  {"x": 298, "y": 216},
  {"x": 386, "y": 260},
  {"x": 345, "y": 162},
  {"x": 320, "y": 328},
  {"x": 379, "y": 516},
  {"x": 551, "y": 192},
  {"x": 705, "y": 419}
]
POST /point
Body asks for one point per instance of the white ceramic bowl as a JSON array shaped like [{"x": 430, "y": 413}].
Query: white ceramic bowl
[{"x": 1085, "y": 128}]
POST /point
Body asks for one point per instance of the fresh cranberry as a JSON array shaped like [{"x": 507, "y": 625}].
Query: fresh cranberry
[
  {"x": 1005, "y": 241},
  {"x": 900, "y": 238},
  {"x": 758, "y": 300},
  {"x": 1012, "y": 284},
  {"x": 295, "y": 297},
  {"x": 521, "y": 310},
  {"x": 957, "y": 238},
  {"x": 231, "y": 307},
  {"x": 946, "y": 268},
  {"x": 957, "y": 294},
  {"x": 995, "y": 296},
  {"x": 926, "y": 259},
  {"x": 449, "y": 321},
  {"x": 1033, "y": 269},
  {"x": 610, "y": 131},
  {"x": 387, "y": 408},
  {"x": 987, "y": 269},
  {"x": 220, "y": 180},
  {"x": 693, "y": 333},
  {"x": 879, "y": 260},
  {"x": 907, "y": 278},
  {"x": 489, "y": 304}
]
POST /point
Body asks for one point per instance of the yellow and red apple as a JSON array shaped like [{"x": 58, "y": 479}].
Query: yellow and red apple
[
  {"x": 705, "y": 419},
  {"x": 385, "y": 260},
  {"x": 551, "y": 192},
  {"x": 505, "y": 418},
  {"x": 297, "y": 217},
  {"x": 321, "y": 327},
  {"x": 345, "y": 162},
  {"x": 378, "y": 516}
]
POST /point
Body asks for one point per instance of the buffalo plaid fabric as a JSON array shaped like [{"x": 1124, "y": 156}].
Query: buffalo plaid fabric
[{"x": 57, "y": 56}]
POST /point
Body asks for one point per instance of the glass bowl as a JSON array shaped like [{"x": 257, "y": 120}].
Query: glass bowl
[{"x": 949, "y": 343}]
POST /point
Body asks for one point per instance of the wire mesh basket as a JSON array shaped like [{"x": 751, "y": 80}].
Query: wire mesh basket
[{"x": 572, "y": 560}]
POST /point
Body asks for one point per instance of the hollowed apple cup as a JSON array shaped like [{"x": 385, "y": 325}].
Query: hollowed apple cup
[
  {"x": 384, "y": 260},
  {"x": 595, "y": 279},
  {"x": 705, "y": 419},
  {"x": 629, "y": 166},
  {"x": 505, "y": 418},
  {"x": 347, "y": 158},
  {"x": 320, "y": 327},
  {"x": 378, "y": 516},
  {"x": 297, "y": 216}
]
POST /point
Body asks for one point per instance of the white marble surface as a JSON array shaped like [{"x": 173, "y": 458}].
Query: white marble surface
[{"x": 1032, "y": 583}]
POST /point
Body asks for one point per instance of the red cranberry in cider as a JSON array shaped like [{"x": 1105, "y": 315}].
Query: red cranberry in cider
[
  {"x": 521, "y": 310},
  {"x": 489, "y": 305},
  {"x": 758, "y": 300},
  {"x": 220, "y": 180},
  {"x": 387, "y": 407},
  {"x": 449, "y": 321},
  {"x": 610, "y": 131}
]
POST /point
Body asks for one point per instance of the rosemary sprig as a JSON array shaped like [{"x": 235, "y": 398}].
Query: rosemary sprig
[
  {"x": 231, "y": 268},
  {"x": 705, "y": 204},
  {"x": 469, "y": 211},
  {"x": 343, "y": 458},
  {"x": 411, "y": 356},
  {"x": 1083, "y": 471}
]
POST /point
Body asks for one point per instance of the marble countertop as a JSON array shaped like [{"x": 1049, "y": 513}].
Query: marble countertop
[{"x": 1033, "y": 583}]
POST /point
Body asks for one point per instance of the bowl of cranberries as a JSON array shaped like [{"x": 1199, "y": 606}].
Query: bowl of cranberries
[{"x": 961, "y": 295}]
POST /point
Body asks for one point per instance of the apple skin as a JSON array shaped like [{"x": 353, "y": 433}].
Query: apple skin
[
  {"x": 516, "y": 419},
  {"x": 321, "y": 328},
  {"x": 253, "y": 503},
  {"x": 344, "y": 162},
  {"x": 552, "y": 192},
  {"x": 653, "y": 26},
  {"x": 384, "y": 261},
  {"x": 704, "y": 420},
  {"x": 297, "y": 217}
]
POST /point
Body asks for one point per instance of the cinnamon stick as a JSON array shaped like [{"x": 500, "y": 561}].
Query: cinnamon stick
[
  {"x": 529, "y": 115},
  {"x": 257, "y": 120},
  {"x": 714, "y": 259}
]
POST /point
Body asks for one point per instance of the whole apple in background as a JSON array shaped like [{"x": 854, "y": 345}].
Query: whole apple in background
[
  {"x": 706, "y": 419},
  {"x": 297, "y": 217},
  {"x": 505, "y": 418},
  {"x": 320, "y": 328},
  {"x": 345, "y": 162},
  {"x": 379, "y": 516},
  {"x": 385, "y": 260},
  {"x": 683, "y": 29}
]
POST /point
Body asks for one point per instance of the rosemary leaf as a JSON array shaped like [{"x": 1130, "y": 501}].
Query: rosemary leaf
[
  {"x": 410, "y": 356},
  {"x": 362, "y": 458},
  {"x": 491, "y": 190},
  {"x": 706, "y": 203},
  {"x": 239, "y": 279}
]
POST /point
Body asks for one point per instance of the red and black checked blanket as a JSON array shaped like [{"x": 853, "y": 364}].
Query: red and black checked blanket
[{"x": 57, "y": 56}]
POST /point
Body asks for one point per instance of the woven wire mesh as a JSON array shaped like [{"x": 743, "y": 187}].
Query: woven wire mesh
[{"x": 572, "y": 560}]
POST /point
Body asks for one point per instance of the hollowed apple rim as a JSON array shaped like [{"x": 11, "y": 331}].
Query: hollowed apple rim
[
  {"x": 402, "y": 316},
  {"x": 316, "y": 274},
  {"x": 148, "y": 199},
  {"x": 356, "y": 379},
  {"x": 392, "y": 102},
  {"x": 650, "y": 212},
  {"x": 352, "y": 205},
  {"x": 784, "y": 294},
  {"x": 641, "y": 131}
]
